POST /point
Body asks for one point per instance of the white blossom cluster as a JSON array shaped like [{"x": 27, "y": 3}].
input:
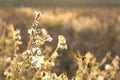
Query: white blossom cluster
[
  {"x": 41, "y": 34},
  {"x": 37, "y": 61},
  {"x": 36, "y": 51},
  {"x": 35, "y": 55},
  {"x": 39, "y": 37}
]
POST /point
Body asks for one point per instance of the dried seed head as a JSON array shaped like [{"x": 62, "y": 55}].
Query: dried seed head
[
  {"x": 37, "y": 15},
  {"x": 62, "y": 39},
  {"x": 44, "y": 32},
  {"x": 62, "y": 42}
]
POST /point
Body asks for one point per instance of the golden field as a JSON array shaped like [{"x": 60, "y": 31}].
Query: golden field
[{"x": 92, "y": 36}]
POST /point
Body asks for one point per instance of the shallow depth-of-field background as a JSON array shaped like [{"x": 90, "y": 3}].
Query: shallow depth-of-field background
[{"x": 94, "y": 30}]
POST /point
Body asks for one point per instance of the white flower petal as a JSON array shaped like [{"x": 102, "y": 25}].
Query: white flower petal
[
  {"x": 37, "y": 61},
  {"x": 49, "y": 38},
  {"x": 36, "y": 51},
  {"x": 31, "y": 31}
]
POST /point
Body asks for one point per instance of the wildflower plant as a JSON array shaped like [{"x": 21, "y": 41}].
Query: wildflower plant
[
  {"x": 34, "y": 56},
  {"x": 90, "y": 69}
]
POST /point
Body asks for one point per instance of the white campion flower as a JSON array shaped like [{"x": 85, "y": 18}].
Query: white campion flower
[
  {"x": 31, "y": 31},
  {"x": 36, "y": 51},
  {"x": 46, "y": 35},
  {"x": 37, "y": 61},
  {"x": 33, "y": 51},
  {"x": 49, "y": 38}
]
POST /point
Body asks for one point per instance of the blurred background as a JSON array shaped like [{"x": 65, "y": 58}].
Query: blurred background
[
  {"x": 88, "y": 25},
  {"x": 61, "y": 3}
]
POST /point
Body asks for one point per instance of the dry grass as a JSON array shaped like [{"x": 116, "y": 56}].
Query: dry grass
[{"x": 96, "y": 31}]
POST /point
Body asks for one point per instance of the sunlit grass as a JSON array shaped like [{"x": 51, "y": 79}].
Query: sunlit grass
[{"x": 86, "y": 35}]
